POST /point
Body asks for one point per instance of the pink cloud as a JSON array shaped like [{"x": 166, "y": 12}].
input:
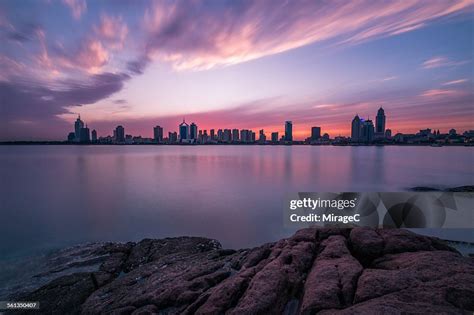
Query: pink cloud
[
  {"x": 441, "y": 93},
  {"x": 440, "y": 61},
  {"x": 112, "y": 30},
  {"x": 78, "y": 7},
  {"x": 454, "y": 82},
  {"x": 200, "y": 38}
]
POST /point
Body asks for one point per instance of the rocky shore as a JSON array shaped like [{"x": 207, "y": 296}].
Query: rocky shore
[{"x": 317, "y": 270}]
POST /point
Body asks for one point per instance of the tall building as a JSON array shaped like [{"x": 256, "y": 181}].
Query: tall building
[
  {"x": 158, "y": 134},
  {"x": 261, "y": 136},
  {"x": 78, "y": 125},
  {"x": 380, "y": 122},
  {"x": 213, "y": 136},
  {"x": 220, "y": 135},
  {"x": 183, "y": 131},
  {"x": 172, "y": 137},
  {"x": 85, "y": 135},
  {"x": 288, "y": 131},
  {"x": 356, "y": 129},
  {"x": 367, "y": 131},
  {"x": 315, "y": 133},
  {"x": 244, "y": 135},
  {"x": 235, "y": 135},
  {"x": 119, "y": 134},
  {"x": 94, "y": 136},
  {"x": 274, "y": 137},
  {"x": 193, "y": 131},
  {"x": 227, "y": 137}
]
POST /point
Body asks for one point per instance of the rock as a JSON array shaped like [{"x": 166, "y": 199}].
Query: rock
[
  {"x": 324, "y": 271},
  {"x": 399, "y": 240},
  {"x": 367, "y": 244},
  {"x": 333, "y": 277}
]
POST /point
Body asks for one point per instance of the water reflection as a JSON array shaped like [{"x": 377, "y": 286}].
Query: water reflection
[{"x": 62, "y": 195}]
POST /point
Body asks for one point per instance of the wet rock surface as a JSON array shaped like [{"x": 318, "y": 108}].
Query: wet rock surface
[{"x": 317, "y": 270}]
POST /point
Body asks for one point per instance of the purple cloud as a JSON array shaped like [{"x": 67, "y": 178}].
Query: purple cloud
[
  {"x": 202, "y": 35},
  {"x": 31, "y": 103}
]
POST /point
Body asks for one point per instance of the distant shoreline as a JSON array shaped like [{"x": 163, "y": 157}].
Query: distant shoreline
[{"x": 298, "y": 143}]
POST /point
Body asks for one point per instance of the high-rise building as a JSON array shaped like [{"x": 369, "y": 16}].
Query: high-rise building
[
  {"x": 274, "y": 137},
  {"x": 356, "y": 129},
  {"x": 183, "y": 131},
  {"x": 315, "y": 133},
  {"x": 158, "y": 134},
  {"x": 193, "y": 131},
  {"x": 244, "y": 135},
  {"x": 85, "y": 135},
  {"x": 261, "y": 136},
  {"x": 288, "y": 131},
  {"x": 119, "y": 134},
  {"x": 227, "y": 137},
  {"x": 94, "y": 136},
  {"x": 235, "y": 135},
  {"x": 78, "y": 125},
  {"x": 252, "y": 136},
  {"x": 220, "y": 135},
  {"x": 172, "y": 137},
  {"x": 380, "y": 123},
  {"x": 213, "y": 136},
  {"x": 367, "y": 134},
  {"x": 388, "y": 134}
]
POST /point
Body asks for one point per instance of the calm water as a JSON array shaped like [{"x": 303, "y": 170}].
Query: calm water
[{"x": 53, "y": 196}]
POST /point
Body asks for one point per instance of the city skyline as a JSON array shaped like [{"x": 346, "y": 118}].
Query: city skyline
[
  {"x": 136, "y": 63},
  {"x": 362, "y": 131}
]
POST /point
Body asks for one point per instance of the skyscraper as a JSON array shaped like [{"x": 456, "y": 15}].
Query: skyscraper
[
  {"x": 356, "y": 129},
  {"x": 158, "y": 134},
  {"x": 213, "y": 136},
  {"x": 261, "y": 136},
  {"x": 235, "y": 135},
  {"x": 78, "y": 125},
  {"x": 288, "y": 131},
  {"x": 380, "y": 123},
  {"x": 120, "y": 134},
  {"x": 172, "y": 137},
  {"x": 183, "y": 131},
  {"x": 227, "y": 137},
  {"x": 315, "y": 133},
  {"x": 193, "y": 131},
  {"x": 367, "y": 134},
  {"x": 244, "y": 135},
  {"x": 85, "y": 135},
  {"x": 274, "y": 137},
  {"x": 94, "y": 136}
]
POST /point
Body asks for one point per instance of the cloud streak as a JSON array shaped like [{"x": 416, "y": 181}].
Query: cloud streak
[{"x": 201, "y": 35}]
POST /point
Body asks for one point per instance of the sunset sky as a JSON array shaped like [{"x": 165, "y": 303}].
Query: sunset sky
[{"x": 233, "y": 64}]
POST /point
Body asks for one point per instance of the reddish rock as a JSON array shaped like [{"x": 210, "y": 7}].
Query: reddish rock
[
  {"x": 333, "y": 277},
  {"x": 315, "y": 270}
]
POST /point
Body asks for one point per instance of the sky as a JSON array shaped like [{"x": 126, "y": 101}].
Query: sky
[{"x": 233, "y": 64}]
